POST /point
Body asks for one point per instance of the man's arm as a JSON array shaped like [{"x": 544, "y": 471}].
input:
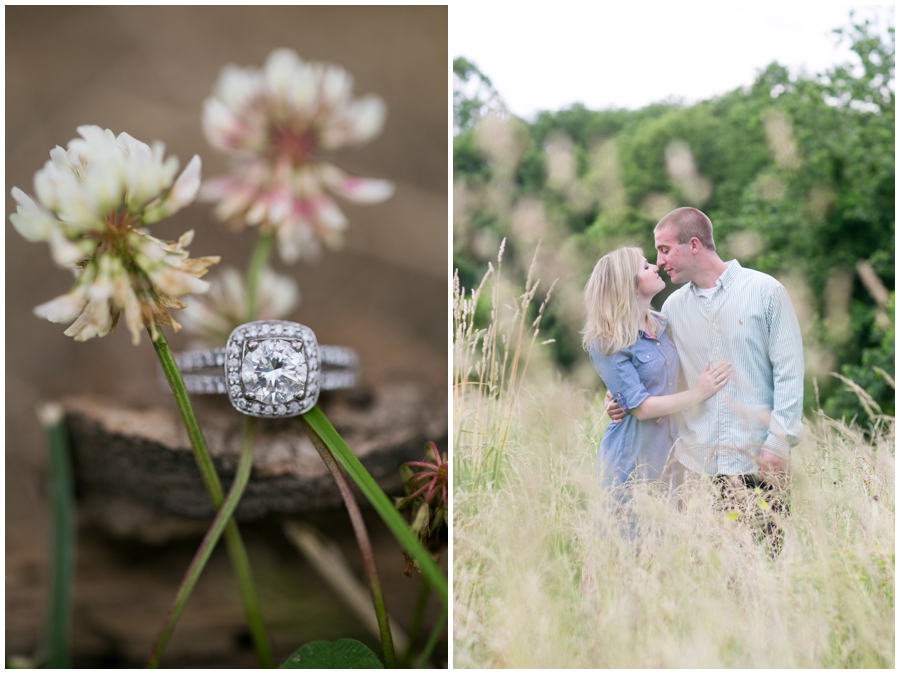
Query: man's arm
[
  {"x": 616, "y": 413},
  {"x": 785, "y": 347}
]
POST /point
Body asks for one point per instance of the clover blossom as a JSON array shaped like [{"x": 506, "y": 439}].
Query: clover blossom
[
  {"x": 92, "y": 199},
  {"x": 213, "y": 317},
  {"x": 434, "y": 474},
  {"x": 277, "y": 124},
  {"x": 426, "y": 500}
]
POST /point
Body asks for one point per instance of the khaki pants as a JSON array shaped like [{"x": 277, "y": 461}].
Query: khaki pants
[{"x": 755, "y": 502}]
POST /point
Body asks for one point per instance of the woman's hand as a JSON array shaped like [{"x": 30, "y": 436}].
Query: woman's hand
[{"x": 712, "y": 379}]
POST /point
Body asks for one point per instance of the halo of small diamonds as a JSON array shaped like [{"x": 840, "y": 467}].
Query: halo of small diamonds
[{"x": 273, "y": 369}]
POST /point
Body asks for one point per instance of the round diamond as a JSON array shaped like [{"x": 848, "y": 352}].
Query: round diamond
[{"x": 274, "y": 373}]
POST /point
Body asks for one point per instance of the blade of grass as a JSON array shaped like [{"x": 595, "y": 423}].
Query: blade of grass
[
  {"x": 326, "y": 557},
  {"x": 222, "y": 520},
  {"x": 62, "y": 548},
  {"x": 365, "y": 551},
  {"x": 320, "y": 430},
  {"x": 236, "y": 550},
  {"x": 432, "y": 641}
]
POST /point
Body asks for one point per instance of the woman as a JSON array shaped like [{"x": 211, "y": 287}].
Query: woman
[{"x": 638, "y": 363}]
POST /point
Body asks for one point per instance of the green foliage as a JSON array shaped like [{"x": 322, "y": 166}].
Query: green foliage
[
  {"x": 467, "y": 160},
  {"x": 845, "y": 404},
  {"x": 800, "y": 166},
  {"x": 567, "y": 343},
  {"x": 340, "y": 654},
  {"x": 473, "y": 93}
]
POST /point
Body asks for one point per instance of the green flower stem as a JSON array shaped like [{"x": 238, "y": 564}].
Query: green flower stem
[
  {"x": 258, "y": 261},
  {"x": 62, "y": 564},
  {"x": 317, "y": 425},
  {"x": 223, "y": 518},
  {"x": 236, "y": 550},
  {"x": 432, "y": 641},
  {"x": 416, "y": 621},
  {"x": 325, "y": 437},
  {"x": 195, "y": 435},
  {"x": 365, "y": 549}
]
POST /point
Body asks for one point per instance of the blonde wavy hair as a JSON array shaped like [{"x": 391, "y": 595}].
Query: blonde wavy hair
[{"x": 612, "y": 317}]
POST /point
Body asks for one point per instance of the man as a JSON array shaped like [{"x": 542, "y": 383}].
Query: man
[{"x": 729, "y": 313}]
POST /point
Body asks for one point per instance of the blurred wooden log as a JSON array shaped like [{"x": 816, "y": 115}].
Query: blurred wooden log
[{"x": 135, "y": 468}]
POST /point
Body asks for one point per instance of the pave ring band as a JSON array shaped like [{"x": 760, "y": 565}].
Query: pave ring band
[{"x": 270, "y": 369}]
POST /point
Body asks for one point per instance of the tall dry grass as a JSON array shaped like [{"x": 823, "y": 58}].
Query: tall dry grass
[
  {"x": 490, "y": 364},
  {"x": 543, "y": 579}
]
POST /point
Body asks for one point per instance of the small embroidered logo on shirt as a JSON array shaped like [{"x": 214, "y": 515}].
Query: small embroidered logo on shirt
[{"x": 740, "y": 321}]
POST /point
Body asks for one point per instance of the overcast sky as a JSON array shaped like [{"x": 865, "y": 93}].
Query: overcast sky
[{"x": 552, "y": 54}]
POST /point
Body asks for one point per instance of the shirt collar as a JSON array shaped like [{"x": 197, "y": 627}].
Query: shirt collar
[
  {"x": 663, "y": 321},
  {"x": 732, "y": 269}
]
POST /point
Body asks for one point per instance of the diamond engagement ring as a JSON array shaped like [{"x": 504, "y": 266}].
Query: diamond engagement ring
[{"x": 272, "y": 369}]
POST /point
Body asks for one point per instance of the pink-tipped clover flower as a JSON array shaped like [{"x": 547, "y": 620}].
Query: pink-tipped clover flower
[
  {"x": 431, "y": 479},
  {"x": 278, "y": 125}
]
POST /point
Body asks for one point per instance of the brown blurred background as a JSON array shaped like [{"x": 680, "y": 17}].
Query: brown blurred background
[{"x": 147, "y": 70}]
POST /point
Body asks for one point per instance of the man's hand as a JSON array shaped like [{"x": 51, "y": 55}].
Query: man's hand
[
  {"x": 770, "y": 463},
  {"x": 616, "y": 413}
]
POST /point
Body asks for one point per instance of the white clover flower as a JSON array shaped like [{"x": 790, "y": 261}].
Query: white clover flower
[
  {"x": 213, "y": 317},
  {"x": 277, "y": 124},
  {"x": 93, "y": 199}
]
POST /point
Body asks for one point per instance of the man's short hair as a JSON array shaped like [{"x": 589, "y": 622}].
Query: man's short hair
[{"x": 689, "y": 223}]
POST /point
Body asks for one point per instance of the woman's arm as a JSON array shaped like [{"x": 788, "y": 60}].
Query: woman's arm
[{"x": 711, "y": 380}]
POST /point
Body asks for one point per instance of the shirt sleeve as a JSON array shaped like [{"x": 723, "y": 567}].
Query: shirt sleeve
[
  {"x": 620, "y": 377},
  {"x": 785, "y": 346}
]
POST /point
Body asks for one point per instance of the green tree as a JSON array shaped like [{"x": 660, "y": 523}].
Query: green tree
[
  {"x": 473, "y": 94},
  {"x": 795, "y": 171}
]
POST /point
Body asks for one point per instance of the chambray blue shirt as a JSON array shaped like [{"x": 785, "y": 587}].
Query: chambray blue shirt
[{"x": 649, "y": 367}]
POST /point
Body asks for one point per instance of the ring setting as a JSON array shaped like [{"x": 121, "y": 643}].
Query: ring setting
[{"x": 270, "y": 369}]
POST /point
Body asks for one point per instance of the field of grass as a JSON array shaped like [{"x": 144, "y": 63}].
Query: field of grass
[{"x": 542, "y": 579}]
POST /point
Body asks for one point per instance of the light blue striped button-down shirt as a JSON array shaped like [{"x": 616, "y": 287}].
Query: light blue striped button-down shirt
[{"x": 750, "y": 322}]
